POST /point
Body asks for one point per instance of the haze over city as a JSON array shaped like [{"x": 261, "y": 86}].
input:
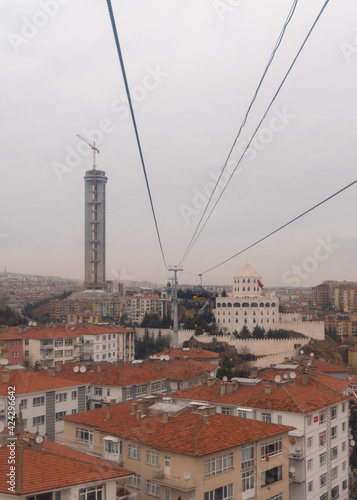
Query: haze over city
[{"x": 192, "y": 68}]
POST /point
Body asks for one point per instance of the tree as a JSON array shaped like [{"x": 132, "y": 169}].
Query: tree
[
  {"x": 245, "y": 333},
  {"x": 224, "y": 293},
  {"x": 258, "y": 332}
]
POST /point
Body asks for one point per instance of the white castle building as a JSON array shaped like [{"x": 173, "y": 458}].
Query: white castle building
[{"x": 247, "y": 304}]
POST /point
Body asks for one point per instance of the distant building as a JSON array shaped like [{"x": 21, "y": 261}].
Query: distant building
[
  {"x": 11, "y": 345},
  {"x": 144, "y": 303}
]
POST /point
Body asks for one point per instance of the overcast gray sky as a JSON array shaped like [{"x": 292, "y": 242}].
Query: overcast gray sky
[{"x": 192, "y": 66}]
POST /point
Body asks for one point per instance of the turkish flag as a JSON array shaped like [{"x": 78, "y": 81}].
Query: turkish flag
[{"x": 260, "y": 284}]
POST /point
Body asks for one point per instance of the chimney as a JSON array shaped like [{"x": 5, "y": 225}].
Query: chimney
[
  {"x": 305, "y": 378},
  {"x": 222, "y": 389},
  {"x": 313, "y": 369},
  {"x": 134, "y": 408},
  {"x": 58, "y": 368},
  {"x": 19, "y": 425},
  {"x": 51, "y": 371},
  {"x": 198, "y": 349},
  {"x": 211, "y": 382},
  {"x": 229, "y": 387},
  {"x": 254, "y": 372},
  {"x": 113, "y": 402},
  {"x": 34, "y": 444},
  {"x": 165, "y": 417},
  {"x": 157, "y": 367},
  {"x": 267, "y": 389},
  {"x": 99, "y": 368},
  {"x": 108, "y": 413},
  {"x": 5, "y": 376},
  {"x": 205, "y": 419},
  {"x": 138, "y": 414},
  {"x": 235, "y": 385}
]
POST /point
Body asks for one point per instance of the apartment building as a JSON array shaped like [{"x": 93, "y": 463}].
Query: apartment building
[
  {"x": 144, "y": 303},
  {"x": 11, "y": 345},
  {"x": 44, "y": 470},
  {"x": 314, "y": 405},
  {"x": 346, "y": 298},
  {"x": 181, "y": 452},
  {"x": 42, "y": 400}
]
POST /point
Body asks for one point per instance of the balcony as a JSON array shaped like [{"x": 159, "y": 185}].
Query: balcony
[
  {"x": 175, "y": 482},
  {"x": 297, "y": 455},
  {"x": 296, "y": 478},
  {"x": 46, "y": 356},
  {"x": 46, "y": 346}
]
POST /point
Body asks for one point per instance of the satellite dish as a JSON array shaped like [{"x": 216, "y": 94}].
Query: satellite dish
[
  {"x": 277, "y": 379},
  {"x": 312, "y": 354},
  {"x": 34, "y": 323},
  {"x": 30, "y": 323},
  {"x": 162, "y": 357},
  {"x": 211, "y": 374},
  {"x": 225, "y": 379},
  {"x": 186, "y": 476},
  {"x": 350, "y": 436},
  {"x": 83, "y": 369},
  {"x": 352, "y": 443},
  {"x": 292, "y": 469},
  {"x": 76, "y": 369},
  {"x": 39, "y": 439},
  {"x": 301, "y": 351},
  {"x": 6, "y": 362},
  {"x": 167, "y": 357},
  {"x": 309, "y": 363},
  {"x": 292, "y": 375},
  {"x": 285, "y": 376}
]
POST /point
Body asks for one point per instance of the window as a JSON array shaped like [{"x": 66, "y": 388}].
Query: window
[
  {"x": 322, "y": 438},
  {"x": 104, "y": 337},
  {"x": 217, "y": 465},
  {"x": 38, "y": 401},
  {"x": 343, "y": 407},
  {"x": 334, "y": 432},
  {"x": 222, "y": 493},
  {"x": 84, "y": 436},
  {"x": 60, "y": 414},
  {"x": 27, "y": 342},
  {"x": 152, "y": 489},
  {"x": 74, "y": 395},
  {"x": 323, "y": 497},
  {"x": 344, "y": 484},
  {"x": 322, "y": 418},
  {"x": 309, "y": 420},
  {"x": 156, "y": 386},
  {"x": 68, "y": 342},
  {"x": 152, "y": 457},
  {"x": 141, "y": 389},
  {"x": 242, "y": 414},
  {"x": 334, "y": 473},
  {"x": 104, "y": 346},
  {"x": 335, "y": 492},
  {"x": 309, "y": 442},
  {"x": 58, "y": 343},
  {"x": 15, "y": 354},
  {"x": 74, "y": 411},
  {"x": 15, "y": 343},
  {"x": 226, "y": 410},
  {"x": 334, "y": 453},
  {"x": 323, "y": 459},
  {"x": 247, "y": 455},
  {"x": 279, "y": 496},
  {"x": 68, "y": 352},
  {"x": 104, "y": 356},
  {"x": 108, "y": 393},
  {"x": 98, "y": 391},
  {"x": 59, "y": 354},
  {"x": 333, "y": 412},
  {"x": 134, "y": 451},
  {"x": 111, "y": 447},
  {"x": 343, "y": 466},
  {"x": 271, "y": 476},
  {"x": 40, "y": 420},
  {"x": 135, "y": 481},
  {"x": 309, "y": 464},
  {"x": 310, "y": 486},
  {"x": 62, "y": 397},
  {"x": 167, "y": 493},
  {"x": 344, "y": 446},
  {"x": 167, "y": 462},
  {"x": 93, "y": 493},
  {"x": 271, "y": 448},
  {"x": 23, "y": 404},
  {"x": 27, "y": 353},
  {"x": 343, "y": 426},
  {"x": 280, "y": 419},
  {"x": 322, "y": 480},
  {"x": 248, "y": 480},
  {"x": 266, "y": 417}
]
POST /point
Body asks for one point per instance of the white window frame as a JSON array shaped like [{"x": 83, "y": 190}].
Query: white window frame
[
  {"x": 134, "y": 451},
  {"x": 152, "y": 458},
  {"x": 218, "y": 465},
  {"x": 152, "y": 488}
]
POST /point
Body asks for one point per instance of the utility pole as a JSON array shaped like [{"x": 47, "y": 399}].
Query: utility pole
[{"x": 175, "y": 270}]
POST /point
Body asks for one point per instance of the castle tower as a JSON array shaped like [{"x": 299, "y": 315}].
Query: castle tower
[
  {"x": 94, "y": 230},
  {"x": 246, "y": 282}
]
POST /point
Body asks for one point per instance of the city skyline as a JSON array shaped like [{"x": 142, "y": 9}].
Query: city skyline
[{"x": 192, "y": 71}]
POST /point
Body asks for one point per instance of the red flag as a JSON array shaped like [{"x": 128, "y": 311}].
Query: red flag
[{"x": 260, "y": 284}]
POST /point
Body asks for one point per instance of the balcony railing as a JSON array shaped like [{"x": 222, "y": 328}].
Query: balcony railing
[
  {"x": 297, "y": 455},
  {"x": 175, "y": 482},
  {"x": 45, "y": 346}
]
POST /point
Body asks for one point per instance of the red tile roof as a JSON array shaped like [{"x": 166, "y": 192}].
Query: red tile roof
[
  {"x": 128, "y": 374},
  {"x": 26, "y": 382},
  {"x": 192, "y": 353},
  {"x": 53, "y": 467},
  {"x": 64, "y": 331},
  {"x": 185, "y": 433}
]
